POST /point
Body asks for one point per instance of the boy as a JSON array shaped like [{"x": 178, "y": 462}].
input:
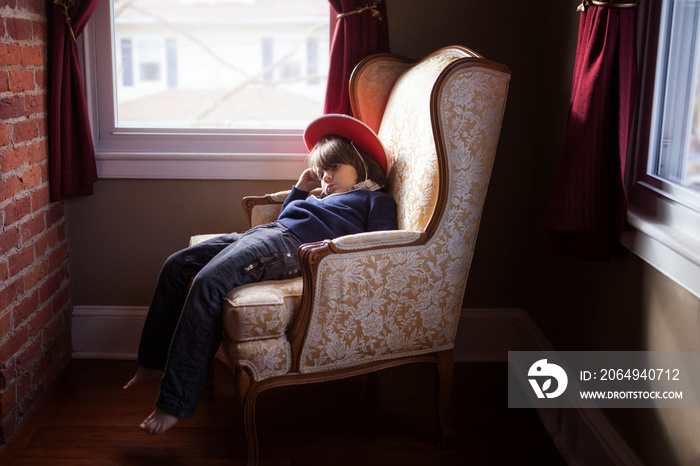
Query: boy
[{"x": 183, "y": 328}]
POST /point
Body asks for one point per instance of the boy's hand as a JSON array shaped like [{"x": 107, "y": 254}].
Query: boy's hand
[{"x": 308, "y": 181}]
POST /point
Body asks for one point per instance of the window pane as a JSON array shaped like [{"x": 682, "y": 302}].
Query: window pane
[
  {"x": 679, "y": 143},
  {"x": 220, "y": 63}
]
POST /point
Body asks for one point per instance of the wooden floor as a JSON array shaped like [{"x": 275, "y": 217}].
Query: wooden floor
[{"x": 92, "y": 421}]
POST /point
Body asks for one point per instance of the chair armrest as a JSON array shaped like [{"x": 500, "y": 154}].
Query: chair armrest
[
  {"x": 376, "y": 240},
  {"x": 267, "y": 206},
  {"x": 311, "y": 255},
  {"x": 265, "y": 209}
]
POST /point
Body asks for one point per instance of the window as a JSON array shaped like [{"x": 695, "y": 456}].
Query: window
[
  {"x": 205, "y": 88},
  {"x": 664, "y": 187}
]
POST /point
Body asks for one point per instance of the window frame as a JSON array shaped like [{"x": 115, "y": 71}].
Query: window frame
[
  {"x": 664, "y": 217},
  {"x": 175, "y": 153}
]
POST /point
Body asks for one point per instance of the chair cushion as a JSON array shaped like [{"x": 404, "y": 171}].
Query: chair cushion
[
  {"x": 196, "y": 239},
  {"x": 261, "y": 310},
  {"x": 264, "y": 358}
]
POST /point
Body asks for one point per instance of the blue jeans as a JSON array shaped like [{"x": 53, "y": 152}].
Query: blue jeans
[{"x": 183, "y": 328}]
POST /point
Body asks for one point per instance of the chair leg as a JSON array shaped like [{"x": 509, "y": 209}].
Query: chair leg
[
  {"x": 248, "y": 399},
  {"x": 445, "y": 372}
]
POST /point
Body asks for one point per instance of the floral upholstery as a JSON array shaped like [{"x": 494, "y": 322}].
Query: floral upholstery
[
  {"x": 378, "y": 77},
  {"x": 386, "y": 295},
  {"x": 264, "y": 358}
]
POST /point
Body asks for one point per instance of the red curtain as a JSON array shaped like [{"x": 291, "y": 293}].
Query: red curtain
[
  {"x": 356, "y": 36},
  {"x": 72, "y": 169},
  {"x": 588, "y": 202}
]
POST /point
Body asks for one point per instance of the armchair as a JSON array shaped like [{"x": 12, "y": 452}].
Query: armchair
[{"x": 375, "y": 300}]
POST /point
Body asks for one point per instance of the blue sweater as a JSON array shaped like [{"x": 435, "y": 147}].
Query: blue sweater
[{"x": 314, "y": 219}]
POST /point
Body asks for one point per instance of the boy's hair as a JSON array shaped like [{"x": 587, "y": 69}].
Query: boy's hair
[{"x": 334, "y": 149}]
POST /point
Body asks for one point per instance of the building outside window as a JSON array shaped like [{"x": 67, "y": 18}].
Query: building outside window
[{"x": 219, "y": 63}]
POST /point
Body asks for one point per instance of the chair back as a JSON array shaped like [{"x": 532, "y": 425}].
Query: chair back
[
  {"x": 420, "y": 115},
  {"x": 392, "y": 95}
]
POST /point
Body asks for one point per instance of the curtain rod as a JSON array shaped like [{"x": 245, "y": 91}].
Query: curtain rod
[{"x": 586, "y": 3}]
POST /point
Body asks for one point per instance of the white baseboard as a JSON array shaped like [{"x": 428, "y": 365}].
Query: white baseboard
[
  {"x": 113, "y": 332},
  {"x": 583, "y": 436},
  {"x": 107, "y": 332}
]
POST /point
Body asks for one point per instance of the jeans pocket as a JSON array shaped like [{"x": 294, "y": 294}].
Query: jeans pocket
[
  {"x": 281, "y": 261},
  {"x": 279, "y": 266}
]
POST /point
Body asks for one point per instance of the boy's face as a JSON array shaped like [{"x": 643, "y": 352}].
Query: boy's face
[{"x": 338, "y": 178}]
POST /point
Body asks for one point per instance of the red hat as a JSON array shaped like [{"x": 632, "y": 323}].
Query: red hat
[{"x": 352, "y": 129}]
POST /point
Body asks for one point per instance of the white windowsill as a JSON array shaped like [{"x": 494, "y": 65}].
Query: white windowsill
[
  {"x": 200, "y": 166},
  {"x": 671, "y": 251}
]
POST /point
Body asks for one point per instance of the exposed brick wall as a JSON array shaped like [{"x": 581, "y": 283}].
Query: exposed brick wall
[{"x": 35, "y": 298}]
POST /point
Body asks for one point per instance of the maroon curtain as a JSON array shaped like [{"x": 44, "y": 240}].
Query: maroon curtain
[
  {"x": 356, "y": 36},
  {"x": 588, "y": 201},
  {"x": 72, "y": 169}
]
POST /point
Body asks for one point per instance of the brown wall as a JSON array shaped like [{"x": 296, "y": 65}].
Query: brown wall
[
  {"x": 121, "y": 235},
  {"x": 35, "y": 295},
  {"x": 537, "y": 45}
]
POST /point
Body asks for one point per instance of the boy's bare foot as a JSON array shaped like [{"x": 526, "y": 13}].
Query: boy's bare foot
[
  {"x": 158, "y": 422},
  {"x": 143, "y": 375}
]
